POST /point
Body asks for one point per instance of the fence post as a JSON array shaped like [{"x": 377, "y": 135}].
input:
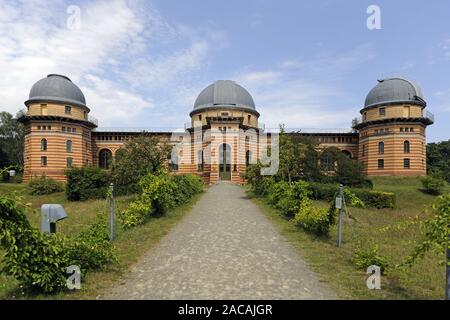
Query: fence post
[
  {"x": 111, "y": 212},
  {"x": 341, "y": 196}
]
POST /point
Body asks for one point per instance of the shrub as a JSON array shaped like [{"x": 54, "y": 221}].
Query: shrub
[
  {"x": 433, "y": 185},
  {"x": 86, "y": 183},
  {"x": 293, "y": 194},
  {"x": 160, "y": 193},
  {"x": 43, "y": 185},
  {"x": 366, "y": 258},
  {"x": 91, "y": 249},
  {"x": 38, "y": 260},
  {"x": 320, "y": 191},
  {"x": 313, "y": 219},
  {"x": 263, "y": 186},
  {"x": 376, "y": 199}
]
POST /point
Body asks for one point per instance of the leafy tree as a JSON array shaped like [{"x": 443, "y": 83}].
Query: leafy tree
[
  {"x": 12, "y": 135},
  {"x": 290, "y": 154},
  {"x": 438, "y": 158},
  {"x": 141, "y": 155}
]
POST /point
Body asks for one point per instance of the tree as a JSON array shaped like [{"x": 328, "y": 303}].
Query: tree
[
  {"x": 290, "y": 154},
  {"x": 141, "y": 155},
  {"x": 438, "y": 159},
  {"x": 12, "y": 135}
]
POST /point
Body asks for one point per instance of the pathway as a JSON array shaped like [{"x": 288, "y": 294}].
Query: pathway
[{"x": 224, "y": 249}]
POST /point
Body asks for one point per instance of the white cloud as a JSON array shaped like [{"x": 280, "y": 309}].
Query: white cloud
[{"x": 124, "y": 52}]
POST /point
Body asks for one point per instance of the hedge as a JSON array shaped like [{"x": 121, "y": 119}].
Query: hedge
[
  {"x": 86, "y": 183},
  {"x": 371, "y": 198}
]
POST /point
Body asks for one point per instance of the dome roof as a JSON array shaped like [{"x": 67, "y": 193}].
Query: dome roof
[
  {"x": 394, "y": 90},
  {"x": 224, "y": 93},
  {"x": 57, "y": 88}
]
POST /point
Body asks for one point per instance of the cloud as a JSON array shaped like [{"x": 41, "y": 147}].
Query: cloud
[
  {"x": 123, "y": 53},
  {"x": 299, "y": 92}
]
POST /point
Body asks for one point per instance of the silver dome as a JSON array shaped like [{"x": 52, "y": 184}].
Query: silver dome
[
  {"x": 57, "y": 88},
  {"x": 224, "y": 93},
  {"x": 394, "y": 90}
]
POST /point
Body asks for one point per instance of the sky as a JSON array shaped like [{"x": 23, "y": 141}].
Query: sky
[{"x": 307, "y": 64}]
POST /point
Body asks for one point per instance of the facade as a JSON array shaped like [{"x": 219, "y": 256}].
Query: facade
[{"x": 224, "y": 135}]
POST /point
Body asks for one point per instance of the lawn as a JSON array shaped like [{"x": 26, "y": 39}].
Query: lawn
[
  {"x": 129, "y": 245},
  {"x": 425, "y": 280}
]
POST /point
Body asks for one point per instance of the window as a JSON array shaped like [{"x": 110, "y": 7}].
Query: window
[
  {"x": 381, "y": 148},
  {"x": 200, "y": 160},
  {"x": 69, "y": 162},
  {"x": 68, "y": 109},
  {"x": 401, "y": 129},
  {"x": 39, "y": 127},
  {"x": 43, "y": 161},
  {"x": 49, "y": 128},
  {"x": 63, "y": 129},
  {"x": 411, "y": 129},
  {"x": 44, "y": 145},
  {"x": 380, "y": 163},
  {"x": 249, "y": 119},
  {"x": 85, "y": 115},
  {"x": 248, "y": 158},
  {"x": 104, "y": 158},
  {"x": 365, "y": 116},
  {"x": 74, "y": 130},
  {"x": 382, "y": 111},
  {"x": 224, "y": 114},
  {"x": 69, "y": 145},
  {"x": 406, "y": 147},
  {"x": 43, "y": 109},
  {"x": 364, "y": 150},
  {"x": 199, "y": 117},
  {"x": 406, "y": 163},
  {"x": 406, "y": 129}
]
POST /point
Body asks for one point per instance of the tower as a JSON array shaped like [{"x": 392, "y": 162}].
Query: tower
[
  {"x": 58, "y": 128},
  {"x": 392, "y": 129}
]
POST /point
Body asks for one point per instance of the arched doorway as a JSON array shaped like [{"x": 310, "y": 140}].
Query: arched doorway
[
  {"x": 104, "y": 158},
  {"x": 347, "y": 153},
  {"x": 225, "y": 162}
]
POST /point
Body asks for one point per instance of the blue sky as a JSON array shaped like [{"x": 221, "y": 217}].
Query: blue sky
[{"x": 308, "y": 64}]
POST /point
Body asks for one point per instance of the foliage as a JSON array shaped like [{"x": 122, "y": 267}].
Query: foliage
[
  {"x": 370, "y": 198},
  {"x": 92, "y": 249},
  {"x": 433, "y": 184},
  {"x": 313, "y": 219},
  {"x": 38, "y": 260},
  {"x": 438, "y": 158},
  {"x": 290, "y": 152},
  {"x": 86, "y": 183},
  {"x": 139, "y": 156},
  {"x": 363, "y": 259},
  {"x": 44, "y": 185},
  {"x": 436, "y": 231},
  {"x": 12, "y": 135},
  {"x": 160, "y": 193}
]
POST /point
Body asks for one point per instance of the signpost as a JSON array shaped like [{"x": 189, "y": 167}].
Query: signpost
[
  {"x": 111, "y": 212},
  {"x": 339, "y": 202}
]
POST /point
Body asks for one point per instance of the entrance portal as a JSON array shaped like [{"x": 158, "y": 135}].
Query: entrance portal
[{"x": 225, "y": 162}]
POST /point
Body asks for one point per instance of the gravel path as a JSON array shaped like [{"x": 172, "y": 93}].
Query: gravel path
[{"x": 224, "y": 249}]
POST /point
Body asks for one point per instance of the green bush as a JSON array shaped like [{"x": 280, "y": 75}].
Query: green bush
[
  {"x": 44, "y": 185},
  {"x": 376, "y": 199},
  {"x": 92, "y": 249},
  {"x": 160, "y": 193},
  {"x": 313, "y": 219},
  {"x": 263, "y": 186},
  {"x": 38, "y": 260},
  {"x": 433, "y": 185},
  {"x": 371, "y": 198},
  {"x": 86, "y": 183},
  {"x": 366, "y": 258},
  {"x": 288, "y": 196}
]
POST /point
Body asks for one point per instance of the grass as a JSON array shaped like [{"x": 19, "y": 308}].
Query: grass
[
  {"x": 425, "y": 280},
  {"x": 129, "y": 245}
]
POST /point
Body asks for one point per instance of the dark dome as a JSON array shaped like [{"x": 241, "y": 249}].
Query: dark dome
[
  {"x": 394, "y": 90},
  {"x": 57, "y": 88},
  {"x": 224, "y": 93}
]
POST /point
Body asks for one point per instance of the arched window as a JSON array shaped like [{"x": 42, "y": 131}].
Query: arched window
[
  {"x": 406, "y": 146},
  {"x": 381, "y": 147},
  {"x": 248, "y": 158},
  {"x": 104, "y": 158},
  {"x": 69, "y": 145},
  {"x": 44, "y": 145}
]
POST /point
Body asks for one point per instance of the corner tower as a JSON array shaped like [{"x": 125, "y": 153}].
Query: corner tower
[
  {"x": 57, "y": 128},
  {"x": 392, "y": 129}
]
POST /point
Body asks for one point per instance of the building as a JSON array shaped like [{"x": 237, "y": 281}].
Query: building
[{"x": 224, "y": 135}]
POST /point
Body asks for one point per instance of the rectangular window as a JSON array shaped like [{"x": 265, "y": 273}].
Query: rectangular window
[
  {"x": 69, "y": 162},
  {"x": 39, "y": 127},
  {"x": 411, "y": 129},
  {"x": 380, "y": 163},
  {"x": 68, "y": 110},
  {"x": 401, "y": 129},
  {"x": 406, "y": 129},
  {"x": 199, "y": 117},
  {"x": 74, "y": 130},
  {"x": 406, "y": 163},
  {"x": 365, "y": 116},
  {"x": 63, "y": 129},
  {"x": 364, "y": 150},
  {"x": 49, "y": 128},
  {"x": 43, "y": 161},
  {"x": 382, "y": 111},
  {"x": 43, "y": 109},
  {"x": 249, "y": 119}
]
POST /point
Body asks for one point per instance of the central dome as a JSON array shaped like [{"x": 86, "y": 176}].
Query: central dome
[
  {"x": 224, "y": 93},
  {"x": 57, "y": 88}
]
